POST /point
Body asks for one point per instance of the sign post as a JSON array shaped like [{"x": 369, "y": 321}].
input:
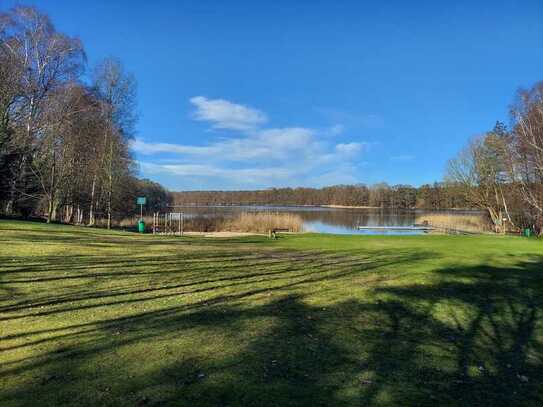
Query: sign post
[{"x": 141, "y": 201}]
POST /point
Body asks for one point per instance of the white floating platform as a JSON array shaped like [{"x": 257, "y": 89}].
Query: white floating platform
[{"x": 395, "y": 228}]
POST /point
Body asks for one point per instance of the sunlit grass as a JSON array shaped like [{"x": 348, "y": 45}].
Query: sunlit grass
[{"x": 90, "y": 317}]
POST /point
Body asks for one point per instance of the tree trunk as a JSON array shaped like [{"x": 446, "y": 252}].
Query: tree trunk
[
  {"x": 109, "y": 198},
  {"x": 52, "y": 204},
  {"x": 55, "y": 206},
  {"x": 13, "y": 186},
  {"x": 494, "y": 217},
  {"x": 68, "y": 213},
  {"x": 49, "y": 209},
  {"x": 109, "y": 193},
  {"x": 91, "y": 210},
  {"x": 110, "y": 184}
]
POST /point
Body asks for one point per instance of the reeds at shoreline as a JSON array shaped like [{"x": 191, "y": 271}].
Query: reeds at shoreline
[
  {"x": 472, "y": 223},
  {"x": 261, "y": 222}
]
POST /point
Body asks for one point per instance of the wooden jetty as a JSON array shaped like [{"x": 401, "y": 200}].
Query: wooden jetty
[{"x": 403, "y": 228}]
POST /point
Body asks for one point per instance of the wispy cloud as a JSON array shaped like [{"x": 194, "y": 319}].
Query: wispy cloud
[
  {"x": 204, "y": 176},
  {"x": 257, "y": 156},
  {"x": 266, "y": 144},
  {"x": 349, "y": 148},
  {"x": 140, "y": 146},
  {"x": 227, "y": 115},
  {"x": 248, "y": 175}
]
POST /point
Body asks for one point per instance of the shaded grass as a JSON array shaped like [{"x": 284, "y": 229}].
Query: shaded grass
[{"x": 90, "y": 317}]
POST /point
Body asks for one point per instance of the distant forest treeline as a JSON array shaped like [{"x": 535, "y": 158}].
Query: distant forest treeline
[{"x": 436, "y": 196}]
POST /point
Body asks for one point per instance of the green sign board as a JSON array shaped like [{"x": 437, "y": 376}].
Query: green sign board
[{"x": 141, "y": 200}]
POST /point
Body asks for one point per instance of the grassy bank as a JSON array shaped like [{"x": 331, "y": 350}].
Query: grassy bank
[{"x": 90, "y": 317}]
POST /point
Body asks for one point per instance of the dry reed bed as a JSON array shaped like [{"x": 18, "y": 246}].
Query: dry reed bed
[
  {"x": 261, "y": 222},
  {"x": 473, "y": 223}
]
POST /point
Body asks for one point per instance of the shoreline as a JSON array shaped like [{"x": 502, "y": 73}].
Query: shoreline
[
  {"x": 322, "y": 206},
  {"x": 350, "y": 207},
  {"x": 222, "y": 234},
  {"x": 233, "y": 234}
]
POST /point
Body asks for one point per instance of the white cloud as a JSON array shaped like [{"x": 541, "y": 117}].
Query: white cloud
[
  {"x": 227, "y": 115},
  {"x": 257, "y": 176},
  {"x": 259, "y": 157},
  {"x": 349, "y": 148},
  {"x": 205, "y": 170},
  {"x": 292, "y": 175},
  {"x": 267, "y": 144},
  {"x": 142, "y": 147}
]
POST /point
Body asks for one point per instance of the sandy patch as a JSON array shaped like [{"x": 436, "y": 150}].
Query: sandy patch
[{"x": 222, "y": 234}]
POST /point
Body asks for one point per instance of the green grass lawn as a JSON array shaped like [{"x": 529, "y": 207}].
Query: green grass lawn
[{"x": 90, "y": 317}]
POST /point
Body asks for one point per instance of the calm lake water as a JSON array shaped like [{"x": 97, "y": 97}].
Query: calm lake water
[{"x": 323, "y": 219}]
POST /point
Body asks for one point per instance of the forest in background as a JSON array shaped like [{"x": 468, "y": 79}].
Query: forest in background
[{"x": 436, "y": 196}]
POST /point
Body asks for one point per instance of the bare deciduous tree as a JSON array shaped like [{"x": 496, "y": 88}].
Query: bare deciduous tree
[
  {"x": 480, "y": 171},
  {"x": 527, "y": 168},
  {"x": 116, "y": 90},
  {"x": 63, "y": 144},
  {"x": 44, "y": 60}
]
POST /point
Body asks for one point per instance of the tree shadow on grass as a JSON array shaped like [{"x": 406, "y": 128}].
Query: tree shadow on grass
[
  {"x": 96, "y": 238},
  {"x": 139, "y": 280},
  {"x": 474, "y": 337}
]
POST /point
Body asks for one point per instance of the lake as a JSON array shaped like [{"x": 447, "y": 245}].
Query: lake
[{"x": 325, "y": 219}]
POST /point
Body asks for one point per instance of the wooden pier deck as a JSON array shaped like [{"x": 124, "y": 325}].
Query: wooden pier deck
[{"x": 405, "y": 228}]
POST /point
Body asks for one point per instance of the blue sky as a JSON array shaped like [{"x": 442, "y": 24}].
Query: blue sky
[{"x": 255, "y": 94}]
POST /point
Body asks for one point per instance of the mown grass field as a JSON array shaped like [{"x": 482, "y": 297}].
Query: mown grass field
[{"x": 90, "y": 317}]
